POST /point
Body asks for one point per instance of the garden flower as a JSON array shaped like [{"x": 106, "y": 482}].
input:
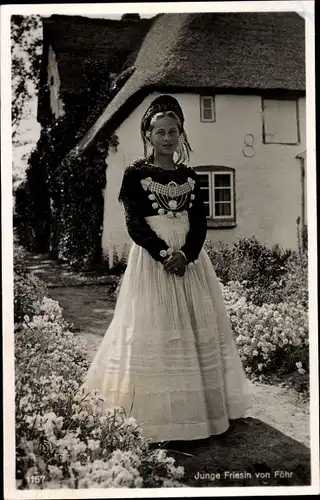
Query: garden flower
[
  {"x": 138, "y": 482},
  {"x": 55, "y": 473},
  {"x": 83, "y": 415},
  {"x": 64, "y": 455},
  {"x": 93, "y": 445}
]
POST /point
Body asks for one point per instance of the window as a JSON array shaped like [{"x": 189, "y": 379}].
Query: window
[
  {"x": 218, "y": 193},
  {"x": 280, "y": 121},
  {"x": 207, "y": 109}
]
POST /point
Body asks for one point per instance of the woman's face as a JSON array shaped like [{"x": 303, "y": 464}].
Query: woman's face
[{"x": 164, "y": 135}]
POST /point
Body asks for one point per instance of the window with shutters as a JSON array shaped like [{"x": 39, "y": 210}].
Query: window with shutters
[
  {"x": 207, "y": 109},
  {"x": 280, "y": 121}
]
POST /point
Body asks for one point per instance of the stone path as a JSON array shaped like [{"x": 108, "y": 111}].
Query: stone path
[{"x": 90, "y": 309}]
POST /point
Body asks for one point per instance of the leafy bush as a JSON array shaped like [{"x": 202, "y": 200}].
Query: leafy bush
[
  {"x": 295, "y": 282},
  {"x": 28, "y": 289},
  {"x": 221, "y": 257},
  {"x": 266, "y": 294},
  {"x": 19, "y": 265},
  {"x": 118, "y": 268},
  {"x": 252, "y": 263},
  {"x": 268, "y": 276},
  {"x": 60, "y": 206},
  {"x": 116, "y": 286}
]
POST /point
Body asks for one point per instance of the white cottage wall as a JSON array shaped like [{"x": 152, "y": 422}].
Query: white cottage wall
[{"x": 268, "y": 184}]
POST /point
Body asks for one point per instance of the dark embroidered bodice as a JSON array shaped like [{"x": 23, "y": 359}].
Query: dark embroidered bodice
[{"x": 149, "y": 190}]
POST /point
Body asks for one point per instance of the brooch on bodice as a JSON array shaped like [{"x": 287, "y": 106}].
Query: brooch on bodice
[{"x": 170, "y": 197}]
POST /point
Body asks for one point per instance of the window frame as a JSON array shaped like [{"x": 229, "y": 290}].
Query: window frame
[
  {"x": 224, "y": 217},
  {"x": 217, "y": 220},
  {"x": 213, "y": 108},
  {"x": 209, "y": 190},
  {"x": 280, "y": 98}
]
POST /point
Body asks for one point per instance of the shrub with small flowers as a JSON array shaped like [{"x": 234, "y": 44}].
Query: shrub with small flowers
[
  {"x": 255, "y": 265},
  {"x": 64, "y": 434},
  {"x": 28, "y": 289},
  {"x": 266, "y": 293},
  {"x": 272, "y": 338}
]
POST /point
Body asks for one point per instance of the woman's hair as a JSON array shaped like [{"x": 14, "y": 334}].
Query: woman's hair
[
  {"x": 165, "y": 105},
  {"x": 162, "y": 114}
]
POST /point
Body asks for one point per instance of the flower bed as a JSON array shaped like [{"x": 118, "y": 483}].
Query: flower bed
[
  {"x": 65, "y": 437},
  {"x": 272, "y": 339}
]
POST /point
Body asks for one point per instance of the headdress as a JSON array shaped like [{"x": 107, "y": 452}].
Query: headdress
[{"x": 162, "y": 104}]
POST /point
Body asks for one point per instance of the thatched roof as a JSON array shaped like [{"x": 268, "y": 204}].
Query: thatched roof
[
  {"x": 223, "y": 52},
  {"x": 80, "y": 42}
]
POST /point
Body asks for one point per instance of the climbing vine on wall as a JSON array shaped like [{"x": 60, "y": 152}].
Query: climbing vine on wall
[{"x": 60, "y": 206}]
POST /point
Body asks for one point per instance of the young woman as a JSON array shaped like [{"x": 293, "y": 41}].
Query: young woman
[{"x": 168, "y": 355}]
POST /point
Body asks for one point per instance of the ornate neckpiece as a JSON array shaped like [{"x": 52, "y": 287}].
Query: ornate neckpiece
[{"x": 170, "y": 197}]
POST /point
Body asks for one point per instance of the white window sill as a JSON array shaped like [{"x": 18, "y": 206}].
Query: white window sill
[{"x": 221, "y": 224}]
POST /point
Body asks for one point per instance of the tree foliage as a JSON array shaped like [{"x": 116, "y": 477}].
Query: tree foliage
[
  {"x": 26, "y": 44},
  {"x": 60, "y": 206}
]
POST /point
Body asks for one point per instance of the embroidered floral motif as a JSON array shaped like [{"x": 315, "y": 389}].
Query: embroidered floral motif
[
  {"x": 155, "y": 205},
  {"x": 151, "y": 196}
]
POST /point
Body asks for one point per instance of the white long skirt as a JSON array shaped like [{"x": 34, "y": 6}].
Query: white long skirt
[{"x": 169, "y": 357}]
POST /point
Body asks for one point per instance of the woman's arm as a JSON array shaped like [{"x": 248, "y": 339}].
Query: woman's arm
[
  {"x": 198, "y": 223},
  {"x": 131, "y": 194}
]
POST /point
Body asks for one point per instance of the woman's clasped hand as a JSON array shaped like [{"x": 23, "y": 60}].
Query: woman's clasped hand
[{"x": 175, "y": 264}]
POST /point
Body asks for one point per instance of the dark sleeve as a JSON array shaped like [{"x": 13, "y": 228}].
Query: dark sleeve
[
  {"x": 131, "y": 195},
  {"x": 198, "y": 224}
]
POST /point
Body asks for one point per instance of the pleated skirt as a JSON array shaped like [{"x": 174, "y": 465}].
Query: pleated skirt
[{"x": 169, "y": 357}]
